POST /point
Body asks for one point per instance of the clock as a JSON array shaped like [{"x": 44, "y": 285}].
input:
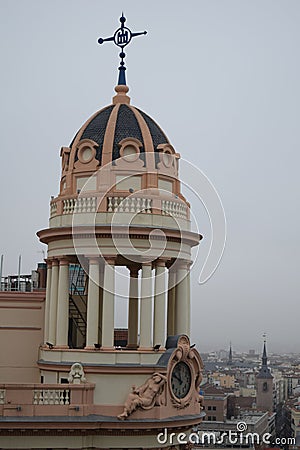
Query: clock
[{"x": 181, "y": 379}]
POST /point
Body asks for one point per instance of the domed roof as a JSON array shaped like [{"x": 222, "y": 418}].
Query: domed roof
[{"x": 118, "y": 121}]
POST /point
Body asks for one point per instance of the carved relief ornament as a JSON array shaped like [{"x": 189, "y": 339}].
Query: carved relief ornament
[{"x": 184, "y": 374}]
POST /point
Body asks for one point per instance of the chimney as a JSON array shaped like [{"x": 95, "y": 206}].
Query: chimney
[{"x": 42, "y": 272}]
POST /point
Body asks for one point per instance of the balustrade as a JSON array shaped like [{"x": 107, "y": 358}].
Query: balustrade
[
  {"x": 129, "y": 204},
  {"x": 173, "y": 208},
  {"x": 2, "y": 396},
  {"x": 79, "y": 205},
  {"x": 51, "y": 397},
  {"x": 53, "y": 209},
  {"x": 120, "y": 204}
]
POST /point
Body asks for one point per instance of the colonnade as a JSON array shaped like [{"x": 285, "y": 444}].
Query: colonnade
[{"x": 152, "y": 316}]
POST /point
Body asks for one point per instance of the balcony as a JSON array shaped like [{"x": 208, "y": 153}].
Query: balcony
[
  {"x": 121, "y": 203},
  {"x": 46, "y": 399}
]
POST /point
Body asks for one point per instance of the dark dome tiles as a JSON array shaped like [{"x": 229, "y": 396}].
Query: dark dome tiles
[
  {"x": 126, "y": 126},
  {"x": 128, "y": 123},
  {"x": 157, "y": 135},
  {"x": 95, "y": 130}
]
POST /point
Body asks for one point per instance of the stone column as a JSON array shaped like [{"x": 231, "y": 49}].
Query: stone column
[
  {"x": 108, "y": 320},
  {"x": 182, "y": 301},
  {"x": 101, "y": 281},
  {"x": 92, "y": 324},
  {"x": 171, "y": 302},
  {"x": 63, "y": 304},
  {"x": 53, "y": 302},
  {"x": 159, "y": 329},
  {"x": 47, "y": 300},
  {"x": 146, "y": 308},
  {"x": 133, "y": 308},
  {"x": 189, "y": 298}
]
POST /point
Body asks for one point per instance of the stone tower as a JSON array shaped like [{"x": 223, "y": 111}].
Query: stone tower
[
  {"x": 120, "y": 205},
  {"x": 230, "y": 360},
  {"x": 264, "y": 385}
]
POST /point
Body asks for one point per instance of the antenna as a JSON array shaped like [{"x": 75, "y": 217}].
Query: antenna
[
  {"x": 43, "y": 252},
  {"x": 19, "y": 272},
  {"x": 1, "y": 270}
]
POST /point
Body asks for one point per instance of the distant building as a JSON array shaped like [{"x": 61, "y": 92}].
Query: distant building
[
  {"x": 264, "y": 385},
  {"x": 215, "y": 403},
  {"x": 223, "y": 380},
  {"x": 291, "y": 424}
]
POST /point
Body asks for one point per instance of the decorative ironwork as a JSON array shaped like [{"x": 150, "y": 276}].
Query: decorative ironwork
[{"x": 121, "y": 38}]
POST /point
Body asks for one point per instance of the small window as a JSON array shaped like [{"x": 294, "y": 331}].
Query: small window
[
  {"x": 165, "y": 185},
  {"x": 64, "y": 381},
  {"x": 130, "y": 153},
  {"x": 167, "y": 158},
  {"x": 86, "y": 154},
  {"x": 63, "y": 183},
  {"x": 86, "y": 183},
  {"x": 214, "y": 408},
  {"x": 125, "y": 183},
  {"x": 209, "y": 408}
]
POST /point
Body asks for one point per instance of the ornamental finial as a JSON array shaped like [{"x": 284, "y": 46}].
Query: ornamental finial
[{"x": 121, "y": 38}]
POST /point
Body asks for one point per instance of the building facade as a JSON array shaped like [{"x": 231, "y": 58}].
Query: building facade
[
  {"x": 91, "y": 386},
  {"x": 264, "y": 385}
]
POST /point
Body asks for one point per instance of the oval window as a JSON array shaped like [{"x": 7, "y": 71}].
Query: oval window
[
  {"x": 86, "y": 154},
  {"x": 130, "y": 153}
]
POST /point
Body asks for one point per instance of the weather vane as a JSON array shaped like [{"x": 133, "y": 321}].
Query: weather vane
[{"x": 121, "y": 38}]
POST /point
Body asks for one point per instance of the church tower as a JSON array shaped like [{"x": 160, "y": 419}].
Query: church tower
[
  {"x": 264, "y": 385},
  {"x": 120, "y": 205},
  {"x": 230, "y": 361}
]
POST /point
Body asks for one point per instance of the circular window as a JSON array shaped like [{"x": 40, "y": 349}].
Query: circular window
[
  {"x": 86, "y": 154},
  {"x": 130, "y": 153},
  {"x": 167, "y": 159}
]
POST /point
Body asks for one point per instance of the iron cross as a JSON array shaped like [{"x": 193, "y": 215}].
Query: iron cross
[{"x": 121, "y": 38}]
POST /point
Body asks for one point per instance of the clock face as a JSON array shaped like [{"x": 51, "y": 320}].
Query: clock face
[{"x": 181, "y": 380}]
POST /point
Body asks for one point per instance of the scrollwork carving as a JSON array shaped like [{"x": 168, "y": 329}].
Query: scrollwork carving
[{"x": 185, "y": 354}]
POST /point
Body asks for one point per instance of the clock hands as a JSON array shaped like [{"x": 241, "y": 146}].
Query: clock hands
[
  {"x": 178, "y": 378},
  {"x": 181, "y": 380}
]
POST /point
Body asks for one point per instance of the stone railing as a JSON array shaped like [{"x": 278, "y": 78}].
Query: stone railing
[
  {"x": 46, "y": 399},
  {"x": 53, "y": 209},
  {"x": 79, "y": 205},
  {"x": 121, "y": 204},
  {"x": 51, "y": 397},
  {"x": 2, "y": 396},
  {"x": 173, "y": 208},
  {"x": 129, "y": 204}
]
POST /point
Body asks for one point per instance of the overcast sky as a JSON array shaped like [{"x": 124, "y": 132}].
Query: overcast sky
[{"x": 222, "y": 80}]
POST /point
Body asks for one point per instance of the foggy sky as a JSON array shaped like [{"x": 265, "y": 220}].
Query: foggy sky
[{"x": 222, "y": 80}]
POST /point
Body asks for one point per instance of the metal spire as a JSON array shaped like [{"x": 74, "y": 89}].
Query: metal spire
[
  {"x": 264, "y": 356},
  {"x": 121, "y": 38},
  {"x": 230, "y": 354}
]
